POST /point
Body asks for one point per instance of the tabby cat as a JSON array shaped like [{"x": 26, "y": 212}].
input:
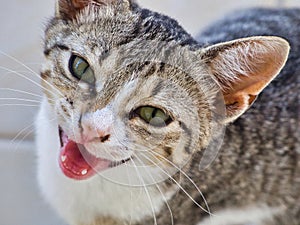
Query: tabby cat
[{"x": 134, "y": 116}]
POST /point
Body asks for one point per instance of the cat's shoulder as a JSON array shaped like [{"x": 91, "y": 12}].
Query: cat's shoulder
[{"x": 254, "y": 22}]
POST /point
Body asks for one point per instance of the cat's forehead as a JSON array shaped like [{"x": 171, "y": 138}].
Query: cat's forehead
[
  {"x": 111, "y": 26},
  {"x": 93, "y": 28}
]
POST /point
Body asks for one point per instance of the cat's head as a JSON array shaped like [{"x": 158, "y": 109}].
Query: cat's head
[{"x": 132, "y": 90}]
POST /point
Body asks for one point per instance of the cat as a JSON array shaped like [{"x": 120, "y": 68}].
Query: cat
[{"x": 143, "y": 124}]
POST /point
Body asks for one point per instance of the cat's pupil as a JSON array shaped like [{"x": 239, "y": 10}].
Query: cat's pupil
[
  {"x": 81, "y": 69},
  {"x": 153, "y": 116}
]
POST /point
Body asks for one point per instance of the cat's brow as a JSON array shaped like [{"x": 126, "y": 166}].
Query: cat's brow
[{"x": 59, "y": 46}]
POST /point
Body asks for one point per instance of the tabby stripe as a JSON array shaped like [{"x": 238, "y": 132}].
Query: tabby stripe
[{"x": 59, "y": 46}]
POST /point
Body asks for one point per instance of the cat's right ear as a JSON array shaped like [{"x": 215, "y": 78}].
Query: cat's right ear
[
  {"x": 68, "y": 9},
  {"x": 243, "y": 68}
]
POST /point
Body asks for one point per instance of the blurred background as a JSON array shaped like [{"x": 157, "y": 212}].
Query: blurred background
[{"x": 22, "y": 24}]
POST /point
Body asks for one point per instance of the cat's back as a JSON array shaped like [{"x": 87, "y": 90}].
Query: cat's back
[
  {"x": 263, "y": 145},
  {"x": 254, "y": 22}
]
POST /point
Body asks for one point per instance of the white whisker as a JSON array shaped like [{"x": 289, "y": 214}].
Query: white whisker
[
  {"x": 26, "y": 135},
  {"x": 7, "y": 90},
  {"x": 21, "y": 132},
  {"x": 162, "y": 194},
  {"x": 29, "y": 69},
  {"x": 20, "y": 91},
  {"x": 182, "y": 172},
  {"x": 147, "y": 192},
  {"x": 131, "y": 193},
  {"x": 23, "y": 138},
  {"x": 24, "y": 105},
  {"x": 30, "y": 80},
  {"x": 21, "y": 99}
]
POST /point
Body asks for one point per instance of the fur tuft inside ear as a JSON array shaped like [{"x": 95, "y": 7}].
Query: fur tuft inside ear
[
  {"x": 244, "y": 67},
  {"x": 68, "y": 9}
]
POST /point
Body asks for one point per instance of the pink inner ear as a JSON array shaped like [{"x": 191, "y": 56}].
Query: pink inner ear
[
  {"x": 80, "y": 4},
  {"x": 67, "y": 9},
  {"x": 243, "y": 68}
]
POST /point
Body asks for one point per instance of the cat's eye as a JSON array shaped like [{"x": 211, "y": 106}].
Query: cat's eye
[
  {"x": 81, "y": 69},
  {"x": 153, "y": 116}
]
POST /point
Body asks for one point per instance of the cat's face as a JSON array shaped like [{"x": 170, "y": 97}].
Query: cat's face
[
  {"x": 131, "y": 91},
  {"x": 118, "y": 101}
]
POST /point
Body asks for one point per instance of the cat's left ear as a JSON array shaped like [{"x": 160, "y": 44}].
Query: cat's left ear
[
  {"x": 243, "y": 68},
  {"x": 68, "y": 9}
]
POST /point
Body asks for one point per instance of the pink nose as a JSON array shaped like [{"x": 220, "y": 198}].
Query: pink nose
[
  {"x": 92, "y": 133},
  {"x": 97, "y": 126}
]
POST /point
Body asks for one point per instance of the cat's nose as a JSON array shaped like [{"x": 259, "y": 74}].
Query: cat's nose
[
  {"x": 91, "y": 133},
  {"x": 97, "y": 126}
]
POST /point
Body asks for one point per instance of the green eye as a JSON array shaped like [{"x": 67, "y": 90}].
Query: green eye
[
  {"x": 153, "y": 116},
  {"x": 80, "y": 69}
]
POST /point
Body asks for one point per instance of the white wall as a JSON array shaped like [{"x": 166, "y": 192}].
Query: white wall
[{"x": 21, "y": 27}]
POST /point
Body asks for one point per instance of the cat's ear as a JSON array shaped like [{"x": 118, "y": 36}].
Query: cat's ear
[
  {"x": 244, "y": 67},
  {"x": 68, "y": 9}
]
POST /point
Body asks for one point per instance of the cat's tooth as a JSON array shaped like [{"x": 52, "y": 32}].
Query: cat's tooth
[
  {"x": 63, "y": 158},
  {"x": 84, "y": 172}
]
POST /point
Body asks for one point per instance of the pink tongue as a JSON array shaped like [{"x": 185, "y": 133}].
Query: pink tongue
[{"x": 77, "y": 167}]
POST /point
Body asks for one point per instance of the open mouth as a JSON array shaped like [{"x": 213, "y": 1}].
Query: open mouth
[{"x": 77, "y": 163}]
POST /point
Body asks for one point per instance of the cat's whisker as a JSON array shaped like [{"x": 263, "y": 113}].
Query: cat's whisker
[
  {"x": 30, "y": 80},
  {"x": 193, "y": 183},
  {"x": 23, "y": 138},
  {"x": 159, "y": 189},
  {"x": 176, "y": 182},
  {"x": 182, "y": 172},
  {"x": 144, "y": 185},
  {"x": 23, "y": 105},
  {"x": 52, "y": 86},
  {"x": 21, "y": 99},
  {"x": 30, "y": 129},
  {"x": 29, "y": 69},
  {"x": 20, "y": 133},
  {"x": 131, "y": 193},
  {"x": 146, "y": 191},
  {"x": 7, "y": 90},
  {"x": 33, "y": 64},
  {"x": 20, "y": 91}
]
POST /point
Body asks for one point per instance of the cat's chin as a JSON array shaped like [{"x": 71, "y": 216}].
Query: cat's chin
[{"x": 77, "y": 163}]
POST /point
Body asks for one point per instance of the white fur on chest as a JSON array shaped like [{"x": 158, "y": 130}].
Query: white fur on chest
[{"x": 84, "y": 201}]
